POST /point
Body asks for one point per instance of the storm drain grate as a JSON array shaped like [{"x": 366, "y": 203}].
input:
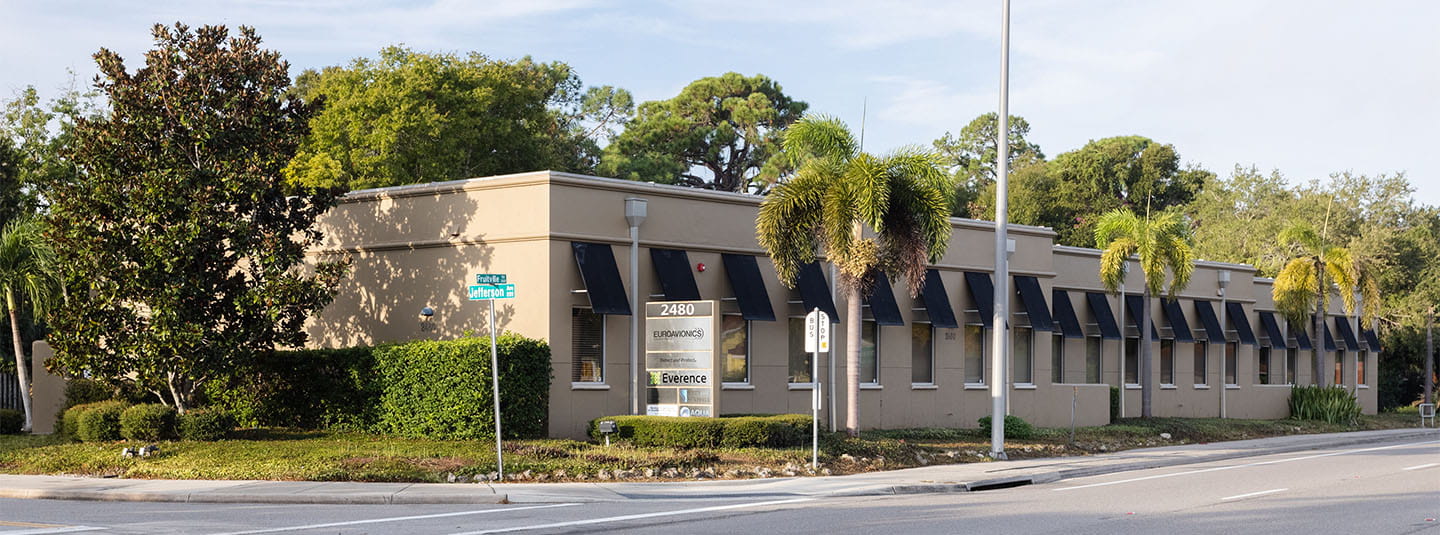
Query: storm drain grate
[{"x": 997, "y": 484}]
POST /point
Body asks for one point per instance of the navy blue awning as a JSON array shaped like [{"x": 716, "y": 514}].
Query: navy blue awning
[
  {"x": 1370, "y": 339},
  {"x": 982, "y": 292},
  {"x": 1178, "y": 325},
  {"x": 1034, "y": 300},
  {"x": 1100, "y": 310},
  {"x": 1235, "y": 310},
  {"x": 602, "y": 278},
  {"x": 1272, "y": 330},
  {"x": 815, "y": 292},
  {"x": 1329, "y": 341},
  {"x": 1065, "y": 314},
  {"x": 1134, "y": 309},
  {"x": 937, "y": 301},
  {"x": 1302, "y": 338},
  {"x": 672, "y": 267},
  {"x": 1213, "y": 331},
  {"x": 882, "y": 302},
  {"x": 1347, "y": 334},
  {"x": 744, "y": 274}
]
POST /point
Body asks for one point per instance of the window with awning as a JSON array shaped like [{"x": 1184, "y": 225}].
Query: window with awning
[
  {"x": 1213, "y": 331},
  {"x": 1134, "y": 308},
  {"x": 881, "y": 302},
  {"x": 1347, "y": 334},
  {"x": 743, "y": 272},
  {"x": 982, "y": 294},
  {"x": 602, "y": 278},
  {"x": 1235, "y": 312},
  {"x": 815, "y": 292},
  {"x": 1302, "y": 338},
  {"x": 1370, "y": 339},
  {"x": 1104, "y": 318},
  {"x": 937, "y": 301},
  {"x": 1176, "y": 317},
  {"x": 672, "y": 267},
  {"x": 1064, "y": 314},
  {"x": 1034, "y": 300},
  {"x": 1272, "y": 330}
]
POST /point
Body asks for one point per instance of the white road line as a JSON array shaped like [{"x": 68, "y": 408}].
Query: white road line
[
  {"x": 1261, "y": 493},
  {"x": 390, "y": 519},
  {"x": 634, "y": 517},
  {"x": 1247, "y": 465},
  {"x": 1421, "y": 466},
  {"x": 48, "y": 531}
]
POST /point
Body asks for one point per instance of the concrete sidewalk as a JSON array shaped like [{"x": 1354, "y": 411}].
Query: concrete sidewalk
[{"x": 931, "y": 479}]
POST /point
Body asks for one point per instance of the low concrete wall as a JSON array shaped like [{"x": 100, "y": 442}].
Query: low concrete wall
[{"x": 48, "y": 390}]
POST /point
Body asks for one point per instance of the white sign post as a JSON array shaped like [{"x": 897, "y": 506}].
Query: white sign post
[
  {"x": 817, "y": 341},
  {"x": 489, "y": 287}
]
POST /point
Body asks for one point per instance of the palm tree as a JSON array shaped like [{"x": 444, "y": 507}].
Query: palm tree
[
  {"x": 1162, "y": 243},
  {"x": 868, "y": 213},
  {"x": 1305, "y": 284},
  {"x": 28, "y": 272}
]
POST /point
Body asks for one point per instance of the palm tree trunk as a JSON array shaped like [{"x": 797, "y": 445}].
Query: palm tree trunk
[
  {"x": 852, "y": 360},
  {"x": 1319, "y": 353},
  {"x": 1147, "y": 383},
  {"x": 20, "y": 370}
]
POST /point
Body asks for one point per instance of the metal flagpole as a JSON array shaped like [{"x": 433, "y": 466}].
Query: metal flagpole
[{"x": 1002, "y": 286}]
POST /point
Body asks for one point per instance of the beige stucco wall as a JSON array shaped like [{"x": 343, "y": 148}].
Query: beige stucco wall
[{"x": 418, "y": 246}]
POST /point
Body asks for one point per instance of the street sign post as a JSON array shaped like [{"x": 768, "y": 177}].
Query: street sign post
[
  {"x": 489, "y": 287},
  {"x": 817, "y": 341}
]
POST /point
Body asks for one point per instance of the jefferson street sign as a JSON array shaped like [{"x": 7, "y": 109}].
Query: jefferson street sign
[{"x": 480, "y": 292}]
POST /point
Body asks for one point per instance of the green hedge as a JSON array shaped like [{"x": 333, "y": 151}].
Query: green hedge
[
  {"x": 779, "y": 431},
  {"x": 148, "y": 422},
  {"x": 11, "y": 421},
  {"x": 1015, "y": 427},
  {"x": 205, "y": 424},
  {"x": 442, "y": 389},
  {"x": 1331, "y": 404},
  {"x": 100, "y": 422},
  {"x": 436, "y": 389}
]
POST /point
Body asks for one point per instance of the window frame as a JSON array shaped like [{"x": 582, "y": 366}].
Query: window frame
[
  {"x": 1292, "y": 359},
  {"x": 789, "y": 338},
  {"x": 1170, "y": 343},
  {"x": 930, "y": 358},
  {"x": 876, "y": 344},
  {"x": 1057, "y": 358},
  {"x": 1361, "y": 356},
  {"x": 1130, "y": 357},
  {"x": 1029, "y": 356},
  {"x": 1231, "y": 364},
  {"x": 965, "y": 348},
  {"x": 726, "y": 356},
  {"x": 1200, "y": 355},
  {"x": 1099, "y": 359},
  {"x": 1264, "y": 366},
  {"x": 574, "y": 362}
]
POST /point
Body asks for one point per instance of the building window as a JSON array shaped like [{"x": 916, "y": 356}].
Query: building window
[
  {"x": 587, "y": 346},
  {"x": 869, "y": 353},
  {"x": 975, "y": 354},
  {"x": 1290, "y": 356},
  {"x": 1167, "y": 362},
  {"x": 1132, "y": 361},
  {"x": 1230, "y": 349},
  {"x": 799, "y": 358},
  {"x": 735, "y": 346},
  {"x": 1094, "y": 353},
  {"x": 1360, "y": 367},
  {"x": 1339, "y": 367},
  {"x": 1024, "y": 356},
  {"x": 1262, "y": 366},
  {"x": 1057, "y": 358},
  {"x": 922, "y": 353},
  {"x": 1202, "y": 363}
]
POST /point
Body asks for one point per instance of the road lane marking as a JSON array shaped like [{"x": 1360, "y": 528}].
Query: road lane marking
[
  {"x": 1261, "y": 493},
  {"x": 1421, "y": 466},
  {"x": 634, "y": 517},
  {"x": 390, "y": 519},
  {"x": 50, "y": 530},
  {"x": 1247, "y": 465}
]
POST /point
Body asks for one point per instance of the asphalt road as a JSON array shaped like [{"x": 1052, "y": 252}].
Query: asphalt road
[{"x": 1375, "y": 489}]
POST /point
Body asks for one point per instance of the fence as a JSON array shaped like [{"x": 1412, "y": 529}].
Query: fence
[{"x": 10, "y": 392}]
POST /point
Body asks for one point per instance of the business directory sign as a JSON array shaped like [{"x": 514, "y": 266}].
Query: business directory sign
[{"x": 681, "y": 352}]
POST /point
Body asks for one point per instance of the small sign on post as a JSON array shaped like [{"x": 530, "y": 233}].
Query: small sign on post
[
  {"x": 817, "y": 341},
  {"x": 489, "y": 287}
]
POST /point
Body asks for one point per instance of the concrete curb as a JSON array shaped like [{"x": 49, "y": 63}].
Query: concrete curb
[{"x": 285, "y": 499}]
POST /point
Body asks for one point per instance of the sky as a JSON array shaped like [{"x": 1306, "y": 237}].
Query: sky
[{"x": 1307, "y": 88}]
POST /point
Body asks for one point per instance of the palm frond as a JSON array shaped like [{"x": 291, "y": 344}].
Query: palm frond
[
  {"x": 1296, "y": 289},
  {"x": 1113, "y": 260},
  {"x": 818, "y": 136},
  {"x": 1302, "y": 237}
]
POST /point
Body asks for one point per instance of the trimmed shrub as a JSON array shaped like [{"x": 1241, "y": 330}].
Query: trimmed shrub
[
  {"x": 11, "y": 421},
  {"x": 1114, "y": 404},
  {"x": 83, "y": 391},
  {"x": 100, "y": 422},
  {"x": 781, "y": 431},
  {"x": 441, "y": 389},
  {"x": 148, "y": 422},
  {"x": 1015, "y": 427},
  {"x": 310, "y": 389},
  {"x": 69, "y": 424},
  {"x": 1330, "y": 404},
  {"x": 205, "y": 424}
]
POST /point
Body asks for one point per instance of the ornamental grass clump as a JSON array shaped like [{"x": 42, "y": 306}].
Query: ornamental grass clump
[{"x": 1331, "y": 404}]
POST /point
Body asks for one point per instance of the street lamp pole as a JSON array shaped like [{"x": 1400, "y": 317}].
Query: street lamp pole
[
  {"x": 635, "y": 211},
  {"x": 1002, "y": 269}
]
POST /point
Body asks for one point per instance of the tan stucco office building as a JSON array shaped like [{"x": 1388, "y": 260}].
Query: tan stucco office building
[{"x": 563, "y": 240}]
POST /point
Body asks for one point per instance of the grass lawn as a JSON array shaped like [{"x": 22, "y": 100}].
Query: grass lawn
[{"x": 277, "y": 454}]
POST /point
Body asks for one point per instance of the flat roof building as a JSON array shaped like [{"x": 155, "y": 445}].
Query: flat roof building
[{"x": 563, "y": 240}]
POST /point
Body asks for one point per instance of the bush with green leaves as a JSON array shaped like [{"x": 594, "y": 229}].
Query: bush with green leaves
[
  {"x": 1114, "y": 404},
  {"x": 148, "y": 422},
  {"x": 308, "y": 389},
  {"x": 1331, "y": 404},
  {"x": 441, "y": 389},
  {"x": 11, "y": 421},
  {"x": 82, "y": 391},
  {"x": 205, "y": 424},
  {"x": 100, "y": 422},
  {"x": 1015, "y": 427},
  {"x": 779, "y": 431}
]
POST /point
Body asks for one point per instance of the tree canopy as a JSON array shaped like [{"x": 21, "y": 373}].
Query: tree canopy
[
  {"x": 180, "y": 242},
  {"x": 718, "y": 133},
  {"x": 972, "y": 156},
  {"x": 412, "y": 117}
]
